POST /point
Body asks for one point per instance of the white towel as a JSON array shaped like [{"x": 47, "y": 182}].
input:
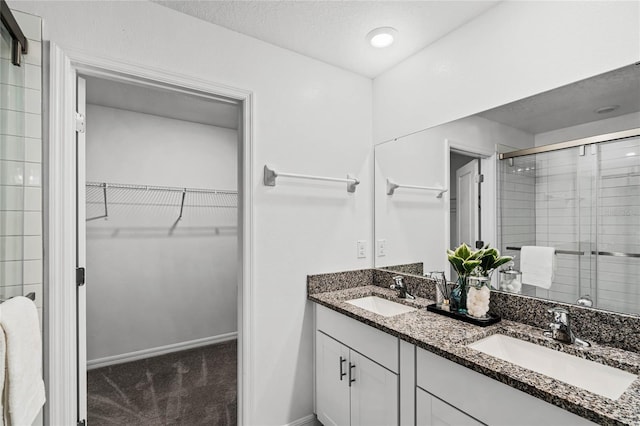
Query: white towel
[
  {"x": 24, "y": 393},
  {"x": 537, "y": 265}
]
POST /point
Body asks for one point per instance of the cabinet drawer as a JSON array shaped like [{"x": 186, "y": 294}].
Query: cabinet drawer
[
  {"x": 431, "y": 411},
  {"x": 483, "y": 398},
  {"x": 375, "y": 344}
]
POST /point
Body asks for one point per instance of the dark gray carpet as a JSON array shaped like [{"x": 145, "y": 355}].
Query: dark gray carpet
[{"x": 194, "y": 387}]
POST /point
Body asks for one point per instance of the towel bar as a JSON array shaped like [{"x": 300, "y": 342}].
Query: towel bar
[{"x": 392, "y": 186}]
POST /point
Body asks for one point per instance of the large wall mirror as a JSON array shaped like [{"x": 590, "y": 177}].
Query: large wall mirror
[{"x": 560, "y": 169}]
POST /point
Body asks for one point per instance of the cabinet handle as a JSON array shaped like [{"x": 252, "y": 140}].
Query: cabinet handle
[
  {"x": 352, "y": 377},
  {"x": 342, "y": 373}
]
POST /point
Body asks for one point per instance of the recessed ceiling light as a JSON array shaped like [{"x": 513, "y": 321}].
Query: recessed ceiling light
[
  {"x": 382, "y": 37},
  {"x": 607, "y": 109},
  {"x": 630, "y": 154}
]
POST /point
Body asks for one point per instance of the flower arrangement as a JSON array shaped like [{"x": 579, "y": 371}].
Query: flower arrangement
[{"x": 481, "y": 263}]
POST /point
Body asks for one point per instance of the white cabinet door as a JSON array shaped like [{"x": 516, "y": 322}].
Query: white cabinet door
[
  {"x": 332, "y": 381},
  {"x": 430, "y": 411},
  {"x": 374, "y": 393}
]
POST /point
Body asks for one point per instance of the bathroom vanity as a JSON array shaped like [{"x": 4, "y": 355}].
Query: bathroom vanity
[{"x": 415, "y": 368}]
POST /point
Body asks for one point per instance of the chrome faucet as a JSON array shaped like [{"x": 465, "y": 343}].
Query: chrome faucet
[
  {"x": 399, "y": 285},
  {"x": 560, "y": 328}
]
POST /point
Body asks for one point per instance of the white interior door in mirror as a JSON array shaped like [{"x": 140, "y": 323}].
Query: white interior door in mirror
[
  {"x": 412, "y": 222},
  {"x": 467, "y": 199}
]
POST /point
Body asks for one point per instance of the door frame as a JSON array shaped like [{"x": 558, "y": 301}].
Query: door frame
[
  {"x": 61, "y": 349},
  {"x": 474, "y": 164},
  {"x": 488, "y": 200}
]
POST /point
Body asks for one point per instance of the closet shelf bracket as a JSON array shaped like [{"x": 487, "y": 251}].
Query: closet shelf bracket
[
  {"x": 104, "y": 198},
  {"x": 270, "y": 176},
  {"x": 175, "y": 224}
]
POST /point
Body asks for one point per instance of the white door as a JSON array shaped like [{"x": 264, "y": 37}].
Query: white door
[
  {"x": 81, "y": 253},
  {"x": 431, "y": 411},
  {"x": 468, "y": 203},
  {"x": 332, "y": 381},
  {"x": 374, "y": 393}
]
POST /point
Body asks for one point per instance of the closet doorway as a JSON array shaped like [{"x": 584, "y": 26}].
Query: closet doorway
[{"x": 160, "y": 245}]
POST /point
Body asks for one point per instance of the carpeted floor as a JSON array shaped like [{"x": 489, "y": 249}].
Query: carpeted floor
[{"x": 194, "y": 387}]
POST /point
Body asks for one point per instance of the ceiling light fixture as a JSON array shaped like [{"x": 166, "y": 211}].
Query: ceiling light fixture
[
  {"x": 382, "y": 37},
  {"x": 607, "y": 109}
]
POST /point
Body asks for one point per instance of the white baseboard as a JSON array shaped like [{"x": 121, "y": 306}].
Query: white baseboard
[
  {"x": 309, "y": 420},
  {"x": 160, "y": 350}
]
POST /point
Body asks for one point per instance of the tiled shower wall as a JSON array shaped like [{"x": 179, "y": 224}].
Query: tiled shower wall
[
  {"x": 558, "y": 219},
  {"x": 584, "y": 203},
  {"x": 516, "y": 211},
  {"x": 619, "y": 226},
  {"x": 21, "y": 167}
]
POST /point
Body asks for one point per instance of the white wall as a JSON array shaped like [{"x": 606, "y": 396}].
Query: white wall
[
  {"x": 147, "y": 288},
  {"x": 309, "y": 118},
  {"x": 514, "y": 50},
  {"x": 415, "y": 224}
]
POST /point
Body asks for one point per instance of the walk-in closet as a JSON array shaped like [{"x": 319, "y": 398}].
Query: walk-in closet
[{"x": 161, "y": 172}]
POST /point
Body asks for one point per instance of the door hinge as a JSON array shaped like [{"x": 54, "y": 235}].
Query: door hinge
[
  {"x": 80, "y": 123},
  {"x": 479, "y": 178},
  {"x": 82, "y": 422},
  {"x": 80, "y": 273}
]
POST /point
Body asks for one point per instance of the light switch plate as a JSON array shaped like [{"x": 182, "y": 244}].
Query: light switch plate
[{"x": 362, "y": 249}]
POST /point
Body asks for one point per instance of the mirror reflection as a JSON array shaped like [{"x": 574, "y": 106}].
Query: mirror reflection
[{"x": 504, "y": 177}]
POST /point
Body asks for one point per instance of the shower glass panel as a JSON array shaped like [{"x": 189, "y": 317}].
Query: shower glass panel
[
  {"x": 618, "y": 226},
  {"x": 584, "y": 202},
  {"x": 11, "y": 171}
]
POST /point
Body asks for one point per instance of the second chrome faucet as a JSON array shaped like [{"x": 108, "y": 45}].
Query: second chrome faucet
[
  {"x": 399, "y": 284},
  {"x": 560, "y": 328}
]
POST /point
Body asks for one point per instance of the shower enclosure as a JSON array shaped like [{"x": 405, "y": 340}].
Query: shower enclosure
[
  {"x": 582, "y": 198},
  {"x": 12, "y": 156}
]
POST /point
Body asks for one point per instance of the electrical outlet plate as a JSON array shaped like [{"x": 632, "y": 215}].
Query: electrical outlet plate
[
  {"x": 362, "y": 249},
  {"x": 381, "y": 248}
]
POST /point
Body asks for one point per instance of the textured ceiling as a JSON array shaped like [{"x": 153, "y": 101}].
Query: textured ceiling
[
  {"x": 160, "y": 102},
  {"x": 334, "y": 31},
  {"x": 573, "y": 104}
]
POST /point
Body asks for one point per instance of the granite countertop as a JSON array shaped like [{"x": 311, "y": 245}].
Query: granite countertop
[{"x": 448, "y": 338}]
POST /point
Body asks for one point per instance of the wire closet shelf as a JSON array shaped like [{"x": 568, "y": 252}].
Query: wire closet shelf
[{"x": 104, "y": 195}]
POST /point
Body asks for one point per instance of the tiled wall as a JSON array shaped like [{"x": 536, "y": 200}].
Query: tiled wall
[
  {"x": 560, "y": 195},
  {"x": 619, "y": 226},
  {"x": 583, "y": 203},
  {"x": 21, "y": 167},
  {"x": 516, "y": 208}
]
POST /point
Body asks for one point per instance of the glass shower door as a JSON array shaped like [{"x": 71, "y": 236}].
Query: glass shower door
[
  {"x": 617, "y": 248},
  {"x": 12, "y": 165}
]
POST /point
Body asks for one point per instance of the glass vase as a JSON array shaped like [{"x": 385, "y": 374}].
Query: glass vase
[
  {"x": 478, "y": 295},
  {"x": 458, "y": 298}
]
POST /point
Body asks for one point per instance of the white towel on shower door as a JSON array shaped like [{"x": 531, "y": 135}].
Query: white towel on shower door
[
  {"x": 537, "y": 265},
  {"x": 24, "y": 393}
]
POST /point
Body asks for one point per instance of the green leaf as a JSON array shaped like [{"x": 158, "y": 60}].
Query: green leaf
[
  {"x": 463, "y": 252},
  {"x": 501, "y": 261},
  {"x": 476, "y": 254},
  {"x": 470, "y": 265},
  {"x": 457, "y": 263},
  {"x": 492, "y": 252}
]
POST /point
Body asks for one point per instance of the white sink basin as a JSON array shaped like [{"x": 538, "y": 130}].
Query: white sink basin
[
  {"x": 601, "y": 379},
  {"x": 381, "y": 306}
]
